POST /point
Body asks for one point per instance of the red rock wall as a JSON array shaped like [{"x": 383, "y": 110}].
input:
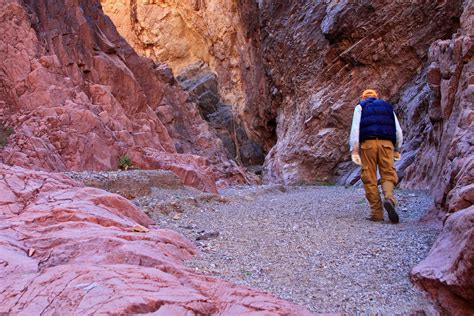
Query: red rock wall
[
  {"x": 445, "y": 157},
  {"x": 78, "y": 97},
  {"x": 68, "y": 249},
  {"x": 445, "y": 162}
]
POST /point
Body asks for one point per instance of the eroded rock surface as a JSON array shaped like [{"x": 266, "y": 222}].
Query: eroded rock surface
[
  {"x": 444, "y": 158},
  {"x": 78, "y": 98},
  {"x": 223, "y": 34},
  {"x": 70, "y": 249},
  {"x": 202, "y": 83},
  {"x": 445, "y": 162}
]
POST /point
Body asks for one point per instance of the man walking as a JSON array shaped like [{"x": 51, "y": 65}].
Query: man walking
[{"x": 375, "y": 141}]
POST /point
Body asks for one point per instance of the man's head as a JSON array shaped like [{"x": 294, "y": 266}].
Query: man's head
[{"x": 369, "y": 93}]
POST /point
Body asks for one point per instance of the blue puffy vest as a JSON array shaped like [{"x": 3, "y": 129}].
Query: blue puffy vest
[{"x": 377, "y": 120}]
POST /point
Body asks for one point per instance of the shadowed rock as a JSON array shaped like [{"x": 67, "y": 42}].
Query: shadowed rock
[{"x": 202, "y": 84}]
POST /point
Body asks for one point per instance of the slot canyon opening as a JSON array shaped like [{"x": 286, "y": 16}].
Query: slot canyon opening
[{"x": 214, "y": 53}]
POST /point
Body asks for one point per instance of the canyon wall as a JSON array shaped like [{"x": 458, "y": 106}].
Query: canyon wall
[
  {"x": 323, "y": 56},
  {"x": 444, "y": 158},
  {"x": 76, "y": 96},
  {"x": 444, "y": 162},
  {"x": 223, "y": 34}
]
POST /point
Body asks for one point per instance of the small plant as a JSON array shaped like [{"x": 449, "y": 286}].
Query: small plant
[
  {"x": 5, "y": 132},
  {"x": 125, "y": 162}
]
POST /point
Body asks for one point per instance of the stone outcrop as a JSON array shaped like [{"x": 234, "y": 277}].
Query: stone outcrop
[
  {"x": 203, "y": 86},
  {"x": 444, "y": 161},
  {"x": 223, "y": 34},
  {"x": 129, "y": 184},
  {"x": 321, "y": 57},
  {"x": 447, "y": 274},
  {"x": 444, "y": 157},
  {"x": 69, "y": 249},
  {"x": 77, "y": 97}
]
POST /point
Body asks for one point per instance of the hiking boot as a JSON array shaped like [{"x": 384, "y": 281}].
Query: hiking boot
[{"x": 390, "y": 208}]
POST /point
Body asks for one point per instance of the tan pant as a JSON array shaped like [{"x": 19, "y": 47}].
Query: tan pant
[{"x": 379, "y": 153}]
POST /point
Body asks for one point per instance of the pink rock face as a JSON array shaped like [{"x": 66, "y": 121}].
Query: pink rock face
[
  {"x": 68, "y": 249},
  {"x": 446, "y": 162},
  {"x": 445, "y": 159},
  {"x": 78, "y": 98},
  {"x": 448, "y": 271}
]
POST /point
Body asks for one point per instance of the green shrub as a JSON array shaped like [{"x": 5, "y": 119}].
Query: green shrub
[{"x": 125, "y": 162}]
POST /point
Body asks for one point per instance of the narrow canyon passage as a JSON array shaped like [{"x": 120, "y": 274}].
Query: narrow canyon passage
[
  {"x": 310, "y": 245},
  {"x": 161, "y": 157}
]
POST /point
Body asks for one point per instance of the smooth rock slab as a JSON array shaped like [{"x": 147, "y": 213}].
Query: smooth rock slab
[
  {"x": 131, "y": 183},
  {"x": 72, "y": 250}
]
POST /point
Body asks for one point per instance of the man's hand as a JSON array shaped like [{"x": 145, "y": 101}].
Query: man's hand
[
  {"x": 356, "y": 158},
  {"x": 396, "y": 155}
]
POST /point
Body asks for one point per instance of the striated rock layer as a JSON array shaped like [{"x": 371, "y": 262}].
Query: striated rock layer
[
  {"x": 202, "y": 85},
  {"x": 78, "y": 97},
  {"x": 69, "y": 249},
  {"x": 322, "y": 56}
]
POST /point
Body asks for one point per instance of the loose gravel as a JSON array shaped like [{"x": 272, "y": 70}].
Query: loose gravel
[{"x": 310, "y": 245}]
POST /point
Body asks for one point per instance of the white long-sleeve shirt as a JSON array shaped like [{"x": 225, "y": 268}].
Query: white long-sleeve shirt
[{"x": 355, "y": 130}]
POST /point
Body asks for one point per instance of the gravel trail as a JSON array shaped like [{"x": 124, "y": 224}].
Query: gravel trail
[{"x": 310, "y": 245}]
